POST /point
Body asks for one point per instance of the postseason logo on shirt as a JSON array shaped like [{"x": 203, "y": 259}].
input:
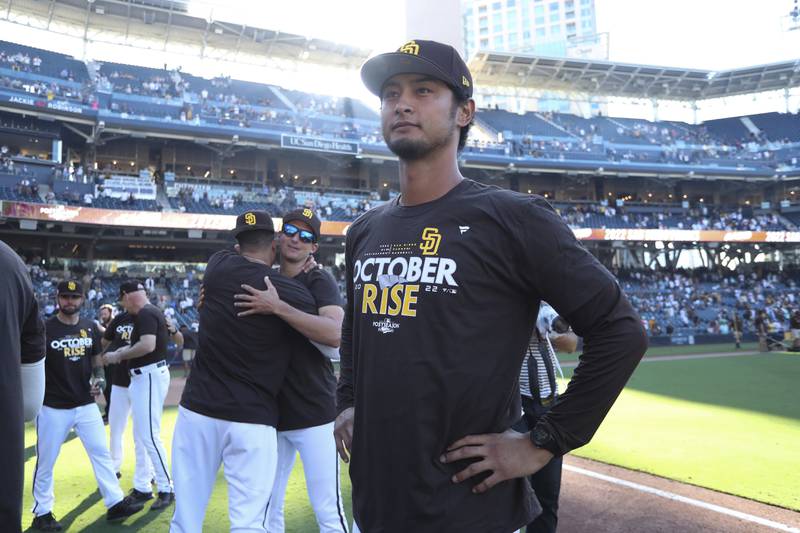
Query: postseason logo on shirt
[
  {"x": 74, "y": 348},
  {"x": 392, "y": 278}
]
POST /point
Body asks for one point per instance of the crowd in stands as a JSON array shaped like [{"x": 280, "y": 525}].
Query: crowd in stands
[
  {"x": 703, "y": 218},
  {"x": 546, "y": 135},
  {"x": 276, "y": 200},
  {"x": 175, "y": 293},
  {"x": 702, "y": 302},
  {"x": 681, "y": 303}
]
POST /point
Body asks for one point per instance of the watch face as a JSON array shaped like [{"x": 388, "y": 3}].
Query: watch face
[{"x": 541, "y": 436}]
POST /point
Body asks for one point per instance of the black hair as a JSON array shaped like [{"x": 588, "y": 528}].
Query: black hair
[{"x": 255, "y": 239}]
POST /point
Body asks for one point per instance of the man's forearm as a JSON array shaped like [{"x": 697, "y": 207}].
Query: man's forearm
[
  {"x": 133, "y": 351},
  {"x": 320, "y": 329},
  {"x": 611, "y": 352}
]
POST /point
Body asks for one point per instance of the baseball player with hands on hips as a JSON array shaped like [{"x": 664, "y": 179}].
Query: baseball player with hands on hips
[
  {"x": 443, "y": 289},
  {"x": 74, "y": 376},
  {"x": 147, "y": 366},
  {"x": 229, "y": 408},
  {"x": 307, "y": 399}
]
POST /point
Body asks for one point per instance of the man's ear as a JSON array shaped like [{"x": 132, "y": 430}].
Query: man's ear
[
  {"x": 466, "y": 113},
  {"x": 314, "y": 248},
  {"x": 237, "y": 248}
]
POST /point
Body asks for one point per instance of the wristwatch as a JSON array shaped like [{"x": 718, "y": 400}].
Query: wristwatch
[{"x": 542, "y": 438}]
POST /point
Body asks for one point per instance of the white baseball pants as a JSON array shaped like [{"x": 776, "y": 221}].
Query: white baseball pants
[
  {"x": 249, "y": 454},
  {"x": 52, "y": 427},
  {"x": 118, "y": 413},
  {"x": 321, "y": 466},
  {"x": 147, "y": 392}
]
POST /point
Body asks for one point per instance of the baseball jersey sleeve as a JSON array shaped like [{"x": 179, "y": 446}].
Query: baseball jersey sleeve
[
  {"x": 324, "y": 289},
  {"x": 344, "y": 388},
  {"x": 559, "y": 270},
  {"x": 32, "y": 336},
  {"x": 147, "y": 322}
]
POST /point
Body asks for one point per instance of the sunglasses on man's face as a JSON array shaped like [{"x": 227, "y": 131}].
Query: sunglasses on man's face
[{"x": 290, "y": 230}]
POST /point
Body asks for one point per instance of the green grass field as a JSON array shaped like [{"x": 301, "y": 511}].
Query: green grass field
[{"x": 730, "y": 424}]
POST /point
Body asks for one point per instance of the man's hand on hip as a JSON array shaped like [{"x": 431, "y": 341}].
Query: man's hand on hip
[{"x": 506, "y": 455}]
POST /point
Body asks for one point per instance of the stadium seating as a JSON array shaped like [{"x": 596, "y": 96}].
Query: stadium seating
[{"x": 53, "y": 64}]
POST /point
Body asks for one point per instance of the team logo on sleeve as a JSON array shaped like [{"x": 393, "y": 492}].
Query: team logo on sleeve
[
  {"x": 250, "y": 219},
  {"x": 431, "y": 239}
]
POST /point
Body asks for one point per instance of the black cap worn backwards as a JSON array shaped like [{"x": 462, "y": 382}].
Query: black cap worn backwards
[
  {"x": 253, "y": 220},
  {"x": 440, "y": 61},
  {"x": 70, "y": 287},
  {"x": 132, "y": 285},
  {"x": 305, "y": 215}
]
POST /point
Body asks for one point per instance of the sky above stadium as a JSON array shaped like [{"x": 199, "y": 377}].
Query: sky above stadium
[{"x": 709, "y": 34}]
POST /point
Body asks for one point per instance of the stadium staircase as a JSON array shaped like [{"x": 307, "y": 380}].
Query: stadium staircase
[
  {"x": 556, "y": 126},
  {"x": 94, "y": 69},
  {"x": 789, "y": 223},
  {"x": 751, "y": 127},
  {"x": 284, "y": 99},
  {"x": 162, "y": 199}
]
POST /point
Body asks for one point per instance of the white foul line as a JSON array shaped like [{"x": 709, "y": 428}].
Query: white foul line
[{"x": 683, "y": 499}]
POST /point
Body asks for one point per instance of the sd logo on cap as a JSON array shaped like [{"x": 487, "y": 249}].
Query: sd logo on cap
[{"x": 253, "y": 220}]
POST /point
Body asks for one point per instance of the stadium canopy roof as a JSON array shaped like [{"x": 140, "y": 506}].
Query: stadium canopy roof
[
  {"x": 608, "y": 78},
  {"x": 176, "y": 21}
]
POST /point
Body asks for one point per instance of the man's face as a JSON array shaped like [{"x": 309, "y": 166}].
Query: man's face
[
  {"x": 293, "y": 248},
  {"x": 69, "y": 304},
  {"x": 105, "y": 315},
  {"x": 418, "y": 115}
]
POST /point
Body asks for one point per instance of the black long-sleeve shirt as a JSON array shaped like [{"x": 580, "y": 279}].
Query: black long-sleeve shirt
[{"x": 441, "y": 301}]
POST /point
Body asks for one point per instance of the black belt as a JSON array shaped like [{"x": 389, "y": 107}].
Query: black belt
[{"x": 138, "y": 371}]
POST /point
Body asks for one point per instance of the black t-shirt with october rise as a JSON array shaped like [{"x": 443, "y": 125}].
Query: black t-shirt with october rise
[
  {"x": 149, "y": 321},
  {"x": 119, "y": 332},
  {"x": 68, "y": 364},
  {"x": 308, "y": 394},
  {"x": 241, "y": 362},
  {"x": 442, "y": 300}
]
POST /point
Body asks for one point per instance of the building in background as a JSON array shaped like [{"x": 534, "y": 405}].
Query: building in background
[
  {"x": 544, "y": 27},
  {"x": 553, "y": 28},
  {"x": 439, "y": 20}
]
